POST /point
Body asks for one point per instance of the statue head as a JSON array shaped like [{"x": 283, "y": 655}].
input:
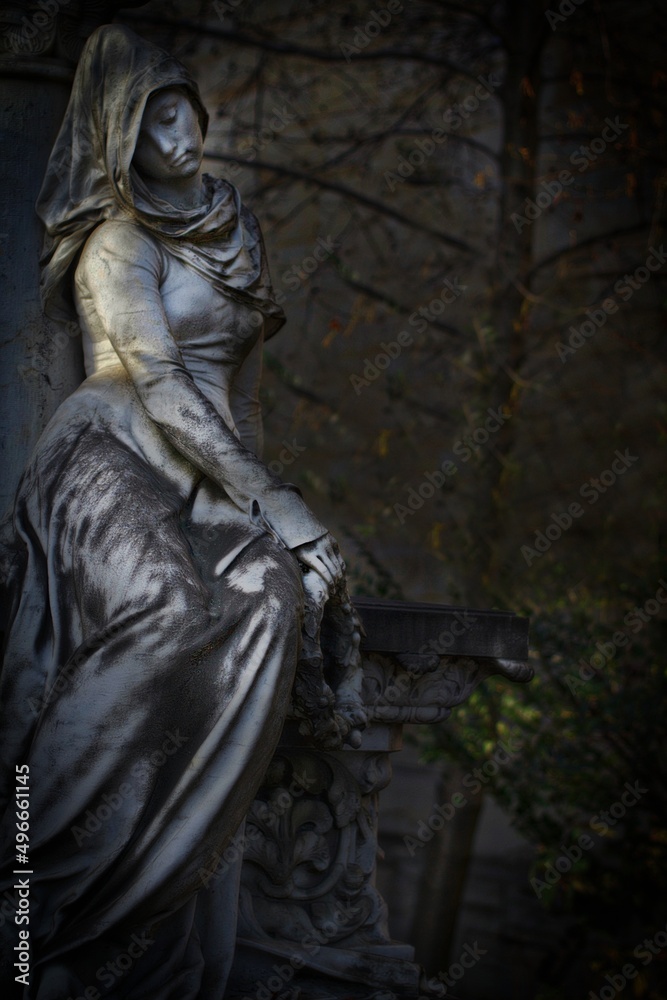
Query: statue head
[
  {"x": 130, "y": 147},
  {"x": 119, "y": 85},
  {"x": 170, "y": 144}
]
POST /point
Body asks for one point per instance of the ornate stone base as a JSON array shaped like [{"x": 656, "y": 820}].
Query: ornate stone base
[
  {"x": 311, "y": 921},
  {"x": 269, "y": 975}
]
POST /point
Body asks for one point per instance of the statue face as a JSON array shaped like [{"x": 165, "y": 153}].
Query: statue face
[{"x": 170, "y": 144}]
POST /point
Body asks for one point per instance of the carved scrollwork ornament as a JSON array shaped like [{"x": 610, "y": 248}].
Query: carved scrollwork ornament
[{"x": 308, "y": 871}]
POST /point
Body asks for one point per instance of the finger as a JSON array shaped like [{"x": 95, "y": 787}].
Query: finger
[
  {"x": 331, "y": 547},
  {"x": 332, "y": 552},
  {"x": 329, "y": 570},
  {"x": 334, "y": 564},
  {"x": 339, "y": 563},
  {"x": 317, "y": 564}
]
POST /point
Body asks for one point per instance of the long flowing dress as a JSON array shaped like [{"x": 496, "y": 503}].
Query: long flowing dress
[{"x": 157, "y": 608}]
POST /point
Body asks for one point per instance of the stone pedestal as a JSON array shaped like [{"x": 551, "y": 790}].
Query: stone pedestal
[{"x": 311, "y": 922}]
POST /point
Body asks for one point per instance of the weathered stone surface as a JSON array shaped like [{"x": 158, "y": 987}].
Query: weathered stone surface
[{"x": 311, "y": 917}]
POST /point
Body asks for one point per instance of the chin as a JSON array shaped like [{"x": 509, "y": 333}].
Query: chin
[{"x": 189, "y": 168}]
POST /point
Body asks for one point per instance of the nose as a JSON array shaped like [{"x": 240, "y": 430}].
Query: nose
[{"x": 167, "y": 143}]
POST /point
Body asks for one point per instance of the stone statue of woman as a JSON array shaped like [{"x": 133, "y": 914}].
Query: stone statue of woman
[{"x": 158, "y": 590}]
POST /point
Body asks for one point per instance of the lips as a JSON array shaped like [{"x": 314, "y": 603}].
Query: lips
[{"x": 181, "y": 159}]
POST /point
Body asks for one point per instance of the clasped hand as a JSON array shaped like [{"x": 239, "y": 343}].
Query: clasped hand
[{"x": 323, "y": 556}]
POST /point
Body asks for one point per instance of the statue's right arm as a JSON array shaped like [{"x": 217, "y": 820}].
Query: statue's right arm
[{"x": 119, "y": 271}]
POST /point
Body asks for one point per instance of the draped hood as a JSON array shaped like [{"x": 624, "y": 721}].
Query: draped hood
[{"x": 90, "y": 178}]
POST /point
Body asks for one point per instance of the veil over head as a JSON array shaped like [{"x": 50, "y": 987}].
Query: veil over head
[{"x": 90, "y": 178}]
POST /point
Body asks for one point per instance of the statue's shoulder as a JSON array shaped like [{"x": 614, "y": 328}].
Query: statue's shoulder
[
  {"x": 120, "y": 240},
  {"x": 119, "y": 233}
]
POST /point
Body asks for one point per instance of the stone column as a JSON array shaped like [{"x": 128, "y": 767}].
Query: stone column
[{"x": 39, "y": 371}]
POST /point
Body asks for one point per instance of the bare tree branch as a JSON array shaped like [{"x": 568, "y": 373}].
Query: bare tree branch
[
  {"x": 373, "y": 293},
  {"x": 346, "y": 192},
  {"x": 307, "y": 51},
  {"x": 590, "y": 242}
]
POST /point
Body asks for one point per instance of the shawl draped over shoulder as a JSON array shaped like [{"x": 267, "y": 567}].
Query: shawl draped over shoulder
[{"x": 90, "y": 178}]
